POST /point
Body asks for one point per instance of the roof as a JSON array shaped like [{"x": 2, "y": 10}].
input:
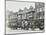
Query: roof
[{"x": 26, "y": 12}]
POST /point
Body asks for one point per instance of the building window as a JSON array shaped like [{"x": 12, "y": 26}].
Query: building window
[{"x": 38, "y": 10}]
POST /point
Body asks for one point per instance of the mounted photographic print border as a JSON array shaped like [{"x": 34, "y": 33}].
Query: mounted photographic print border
[{"x": 24, "y": 17}]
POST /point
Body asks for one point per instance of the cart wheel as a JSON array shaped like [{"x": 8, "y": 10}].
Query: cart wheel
[{"x": 41, "y": 28}]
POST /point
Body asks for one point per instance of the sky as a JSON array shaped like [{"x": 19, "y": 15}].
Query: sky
[{"x": 15, "y": 6}]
